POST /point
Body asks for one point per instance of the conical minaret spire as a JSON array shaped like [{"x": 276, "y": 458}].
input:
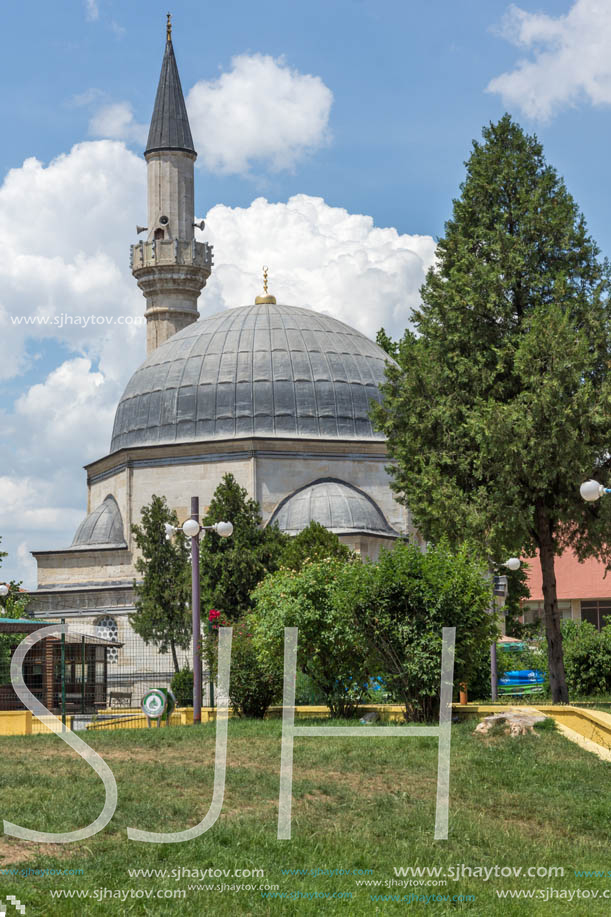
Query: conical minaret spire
[
  {"x": 171, "y": 267},
  {"x": 170, "y": 124}
]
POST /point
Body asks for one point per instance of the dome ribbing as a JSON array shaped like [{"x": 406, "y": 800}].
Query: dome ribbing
[{"x": 263, "y": 370}]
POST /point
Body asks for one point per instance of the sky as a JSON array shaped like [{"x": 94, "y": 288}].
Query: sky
[{"x": 331, "y": 138}]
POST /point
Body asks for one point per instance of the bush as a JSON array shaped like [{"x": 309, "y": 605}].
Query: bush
[
  {"x": 251, "y": 687},
  {"x": 306, "y": 692},
  {"x": 182, "y": 686},
  {"x": 399, "y": 606},
  {"x": 587, "y": 657},
  {"x": 329, "y": 649}
]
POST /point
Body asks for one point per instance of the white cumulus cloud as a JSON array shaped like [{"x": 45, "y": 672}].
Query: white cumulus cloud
[
  {"x": 72, "y": 409},
  {"x": 67, "y": 253},
  {"x": 55, "y": 427},
  {"x": 261, "y": 112},
  {"x": 569, "y": 60},
  {"x": 116, "y": 122},
  {"x": 319, "y": 256}
]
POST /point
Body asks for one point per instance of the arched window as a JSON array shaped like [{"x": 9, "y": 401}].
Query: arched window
[
  {"x": 159, "y": 234},
  {"x": 108, "y": 629}
]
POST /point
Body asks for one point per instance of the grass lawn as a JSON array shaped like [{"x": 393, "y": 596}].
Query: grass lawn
[{"x": 359, "y": 804}]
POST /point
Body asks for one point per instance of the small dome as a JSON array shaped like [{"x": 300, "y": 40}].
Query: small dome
[
  {"x": 340, "y": 507},
  {"x": 101, "y": 528},
  {"x": 262, "y": 370}
]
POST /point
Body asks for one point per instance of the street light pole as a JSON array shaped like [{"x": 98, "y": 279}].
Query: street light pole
[
  {"x": 196, "y": 601},
  {"x": 192, "y": 529},
  {"x": 512, "y": 564},
  {"x": 494, "y": 680}
]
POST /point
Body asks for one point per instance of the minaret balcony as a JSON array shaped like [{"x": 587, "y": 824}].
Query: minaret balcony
[{"x": 161, "y": 252}]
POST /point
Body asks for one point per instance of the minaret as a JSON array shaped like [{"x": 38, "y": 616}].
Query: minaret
[{"x": 171, "y": 267}]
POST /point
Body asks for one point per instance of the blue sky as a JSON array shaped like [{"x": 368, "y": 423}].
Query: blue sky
[
  {"x": 382, "y": 99},
  {"x": 408, "y": 81}
]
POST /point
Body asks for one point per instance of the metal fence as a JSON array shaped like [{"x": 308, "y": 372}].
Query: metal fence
[{"x": 97, "y": 673}]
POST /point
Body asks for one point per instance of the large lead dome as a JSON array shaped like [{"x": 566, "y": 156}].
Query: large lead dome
[{"x": 262, "y": 370}]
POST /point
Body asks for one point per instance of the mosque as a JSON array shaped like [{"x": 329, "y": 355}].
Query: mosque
[{"x": 277, "y": 395}]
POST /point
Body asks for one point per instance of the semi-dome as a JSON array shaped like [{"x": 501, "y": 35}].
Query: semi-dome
[
  {"x": 102, "y": 528},
  {"x": 262, "y": 370},
  {"x": 338, "y": 506}
]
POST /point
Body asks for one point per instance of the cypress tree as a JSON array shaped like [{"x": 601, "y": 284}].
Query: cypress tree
[{"x": 501, "y": 404}]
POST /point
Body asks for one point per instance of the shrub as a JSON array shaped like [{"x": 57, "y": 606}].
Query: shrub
[
  {"x": 587, "y": 657},
  {"x": 306, "y": 692},
  {"x": 329, "y": 650},
  {"x": 182, "y": 686},
  {"x": 252, "y": 688},
  {"x": 399, "y": 606}
]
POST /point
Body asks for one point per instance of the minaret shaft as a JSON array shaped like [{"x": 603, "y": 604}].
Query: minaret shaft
[
  {"x": 171, "y": 194},
  {"x": 171, "y": 268}
]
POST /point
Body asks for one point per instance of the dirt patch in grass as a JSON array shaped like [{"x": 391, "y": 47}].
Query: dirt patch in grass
[{"x": 12, "y": 853}]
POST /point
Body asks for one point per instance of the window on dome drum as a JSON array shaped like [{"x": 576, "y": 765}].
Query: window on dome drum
[
  {"x": 597, "y": 613},
  {"x": 108, "y": 629}
]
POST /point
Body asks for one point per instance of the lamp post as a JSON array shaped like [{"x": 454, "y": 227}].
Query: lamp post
[
  {"x": 514, "y": 564},
  {"x": 4, "y": 590},
  {"x": 192, "y": 529}
]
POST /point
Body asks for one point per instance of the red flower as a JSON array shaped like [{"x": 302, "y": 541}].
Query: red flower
[{"x": 213, "y": 615}]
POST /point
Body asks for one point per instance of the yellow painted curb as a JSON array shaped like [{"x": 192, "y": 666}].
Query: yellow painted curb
[{"x": 586, "y": 744}]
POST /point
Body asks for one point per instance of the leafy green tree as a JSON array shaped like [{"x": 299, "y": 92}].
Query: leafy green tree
[
  {"x": 501, "y": 404},
  {"x": 313, "y": 543},
  {"x": 13, "y": 606},
  {"x": 163, "y": 596},
  {"x": 386, "y": 343},
  {"x": 399, "y": 606},
  {"x": 329, "y": 650},
  {"x": 231, "y": 567}
]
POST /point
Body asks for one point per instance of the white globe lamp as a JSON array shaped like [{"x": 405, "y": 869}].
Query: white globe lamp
[
  {"x": 224, "y": 529},
  {"x": 591, "y": 491},
  {"x": 191, "y": 528}
]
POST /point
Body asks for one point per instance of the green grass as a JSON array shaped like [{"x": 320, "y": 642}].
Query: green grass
[{"x": 358, "y": 804}]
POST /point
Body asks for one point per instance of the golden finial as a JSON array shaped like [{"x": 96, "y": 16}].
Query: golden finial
[
  {"x": 169, "y": 28},
  {"x": 267, "y": 297}
]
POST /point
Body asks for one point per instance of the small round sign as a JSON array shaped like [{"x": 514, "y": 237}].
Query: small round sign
[{"x": 158, "y": 704}]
